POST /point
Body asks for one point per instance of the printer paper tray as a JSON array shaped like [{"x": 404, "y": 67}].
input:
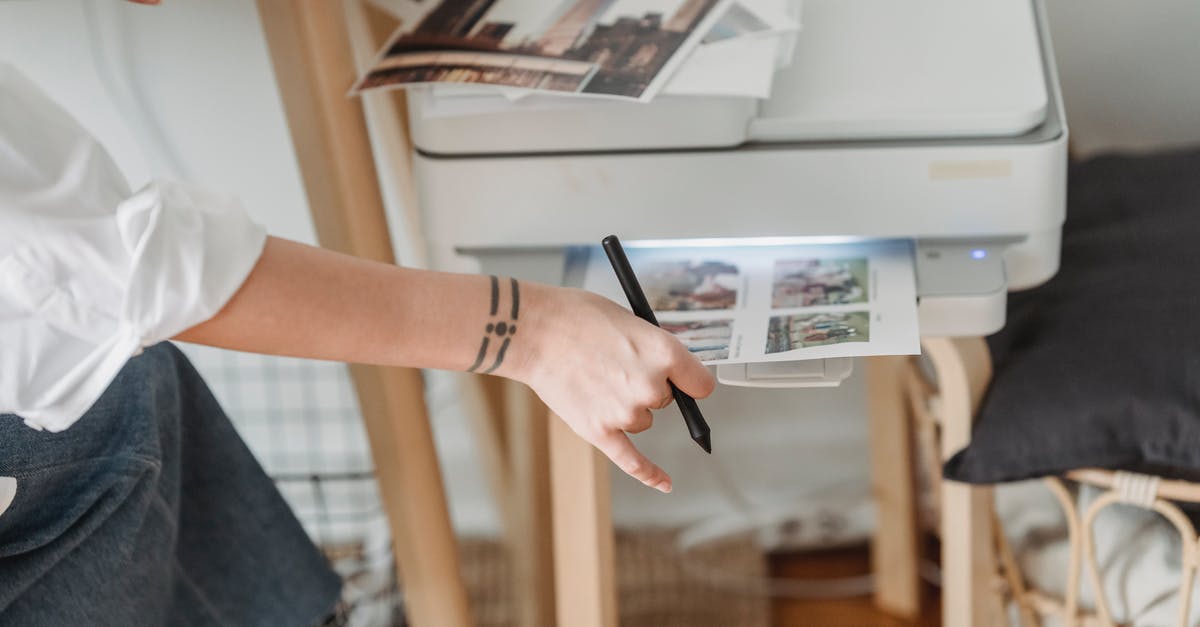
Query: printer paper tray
[{"x": 808, "y": 373}]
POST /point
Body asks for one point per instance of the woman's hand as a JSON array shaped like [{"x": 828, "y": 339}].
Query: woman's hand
[
  {"x": 594, "y": 363},
  {"x": 602, "y": 370}
]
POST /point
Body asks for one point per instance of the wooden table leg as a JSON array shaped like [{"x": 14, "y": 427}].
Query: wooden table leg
[
  {"x": 531, "y": 537},
  {"x": 512, "y": 433},
  {"x": 311, "y": 54},
  {"x": 969, "y": 599},
  {"x": 585, "y": 580},
  {"x": 895, "y": 545},
  {"x": 489, "y": 417}
]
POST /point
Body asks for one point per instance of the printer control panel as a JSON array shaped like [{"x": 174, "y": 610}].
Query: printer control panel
[{"x": 962, "y": 289}]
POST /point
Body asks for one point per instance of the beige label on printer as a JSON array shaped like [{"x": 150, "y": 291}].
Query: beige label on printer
[{"x": 983, "y": 169}]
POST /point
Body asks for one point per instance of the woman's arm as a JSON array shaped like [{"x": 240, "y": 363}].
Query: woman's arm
[{"x": 594, "y": 364}]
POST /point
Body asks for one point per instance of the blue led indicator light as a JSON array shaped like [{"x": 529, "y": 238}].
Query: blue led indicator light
[{"x": 978, "y": 253}]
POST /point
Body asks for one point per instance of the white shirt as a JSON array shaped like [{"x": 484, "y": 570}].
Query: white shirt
[{"x": 89, "y": 273}]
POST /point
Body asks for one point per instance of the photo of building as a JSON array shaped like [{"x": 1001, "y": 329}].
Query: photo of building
[{"x": 582, "y": 48}]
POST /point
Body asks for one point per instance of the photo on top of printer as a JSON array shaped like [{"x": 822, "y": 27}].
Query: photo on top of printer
[
  {"x": 624, "y": 48},
  {"x": 687, "y": 285},
  {"x": 810, "y": 282},
  {"x": 786, "y": 333},
  {"x": 708, "y": 340}
]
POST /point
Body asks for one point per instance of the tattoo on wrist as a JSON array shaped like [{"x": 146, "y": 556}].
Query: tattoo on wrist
[{"x": 501, "y": 330}]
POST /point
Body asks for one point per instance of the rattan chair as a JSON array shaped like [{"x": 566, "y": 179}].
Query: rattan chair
[{"x": 1010, "y": 585}]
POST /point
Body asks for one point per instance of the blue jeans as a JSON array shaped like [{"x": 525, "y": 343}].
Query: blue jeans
[{"x": 151, "y": 511}]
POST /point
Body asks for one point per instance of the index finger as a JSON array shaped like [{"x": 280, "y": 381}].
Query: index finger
[{"x": 617, "y": 446}]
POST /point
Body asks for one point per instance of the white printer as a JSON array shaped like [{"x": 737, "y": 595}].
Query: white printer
[{"x": 939, "y": 122}]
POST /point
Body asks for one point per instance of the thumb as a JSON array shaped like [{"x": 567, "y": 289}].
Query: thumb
[{"x": 689, "y": 375}]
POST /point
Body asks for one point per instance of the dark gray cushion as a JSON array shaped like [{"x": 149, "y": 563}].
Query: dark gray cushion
[{"x": 1101, "y": 366}]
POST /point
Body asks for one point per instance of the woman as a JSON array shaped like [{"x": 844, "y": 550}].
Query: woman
[{"x": 126, "y": 497}]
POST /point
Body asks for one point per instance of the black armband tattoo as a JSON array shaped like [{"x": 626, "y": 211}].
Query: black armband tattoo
[{"x": 501, "y": 330}]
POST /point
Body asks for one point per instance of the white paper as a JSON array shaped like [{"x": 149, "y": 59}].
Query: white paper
[
  {"x": 740, "y": 55},
  {"x": 775, "y": 303},
  {"x": 744, "y": 66},
  {"x": 747, "y": 18}
]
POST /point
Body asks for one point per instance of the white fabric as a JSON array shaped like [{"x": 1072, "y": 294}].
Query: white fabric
[
  {"x": 8, "y": 491},
  {"x": 90, "y": 274},
  {"x": 1137, "y": 549}
]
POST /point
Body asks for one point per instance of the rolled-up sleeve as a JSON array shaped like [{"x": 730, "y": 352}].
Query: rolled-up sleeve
[
  {"x": 90, "y": 273},
  {"x": 189, "y": 251}
]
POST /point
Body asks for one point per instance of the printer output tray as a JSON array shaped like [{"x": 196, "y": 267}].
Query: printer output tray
[{"x": 961, "y": 291}]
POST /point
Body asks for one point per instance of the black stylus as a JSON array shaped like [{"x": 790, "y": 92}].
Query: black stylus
[{"x": 641, "y": 308}]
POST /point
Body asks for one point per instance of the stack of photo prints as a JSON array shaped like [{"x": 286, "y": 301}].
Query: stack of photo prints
[
  {"x": 625, "y": 49},
  {"x": 773, "y": 303}
]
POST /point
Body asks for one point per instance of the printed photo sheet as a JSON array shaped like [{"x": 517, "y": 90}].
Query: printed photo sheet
[
  {"x": 774, "y": 303},
  {"x": 737, "y": 57},
  {"x": 611, "y": 48}
]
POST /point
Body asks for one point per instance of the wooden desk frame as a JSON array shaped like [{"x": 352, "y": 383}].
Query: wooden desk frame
[{"x": 314, "y": 65}]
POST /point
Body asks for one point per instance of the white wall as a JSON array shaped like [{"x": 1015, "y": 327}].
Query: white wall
[
  {"x": 202, "y": 72},
  {"x": 1130, "y": 72}
]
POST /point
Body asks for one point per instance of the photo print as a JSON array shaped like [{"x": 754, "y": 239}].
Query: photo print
[
  {"x": 723, "y": 302},
  {"x": 708, "y": 340},
  {"x": 786, "y": 333},
  {"x": 689, "y": 285},
  {"x": 623, "y": 48},
  {"x": 814, "y": 282}
]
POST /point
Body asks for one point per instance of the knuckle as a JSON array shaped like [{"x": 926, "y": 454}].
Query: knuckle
[
  {"x": 639, "y": 424},
  {"x": 634, "y": 466},
  {"x": 664, "y": 347},
  {"x": 650, "y": 396},
  {"x": 632, "y": 420},
  {"x": 682, "y": 362},
  {"x": 673, "y": 345},
  {"x": 652, "y": 479}
]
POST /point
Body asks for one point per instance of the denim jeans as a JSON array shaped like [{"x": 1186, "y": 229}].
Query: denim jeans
[{"x": 151, "y": 511}]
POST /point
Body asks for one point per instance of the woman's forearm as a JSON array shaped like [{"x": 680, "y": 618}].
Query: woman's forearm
[
  {"x": 303, "y": 301},
  {"x": 596, "y": 365}
]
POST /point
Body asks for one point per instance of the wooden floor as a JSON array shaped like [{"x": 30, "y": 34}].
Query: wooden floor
[{"x": 854, "y": 612}]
